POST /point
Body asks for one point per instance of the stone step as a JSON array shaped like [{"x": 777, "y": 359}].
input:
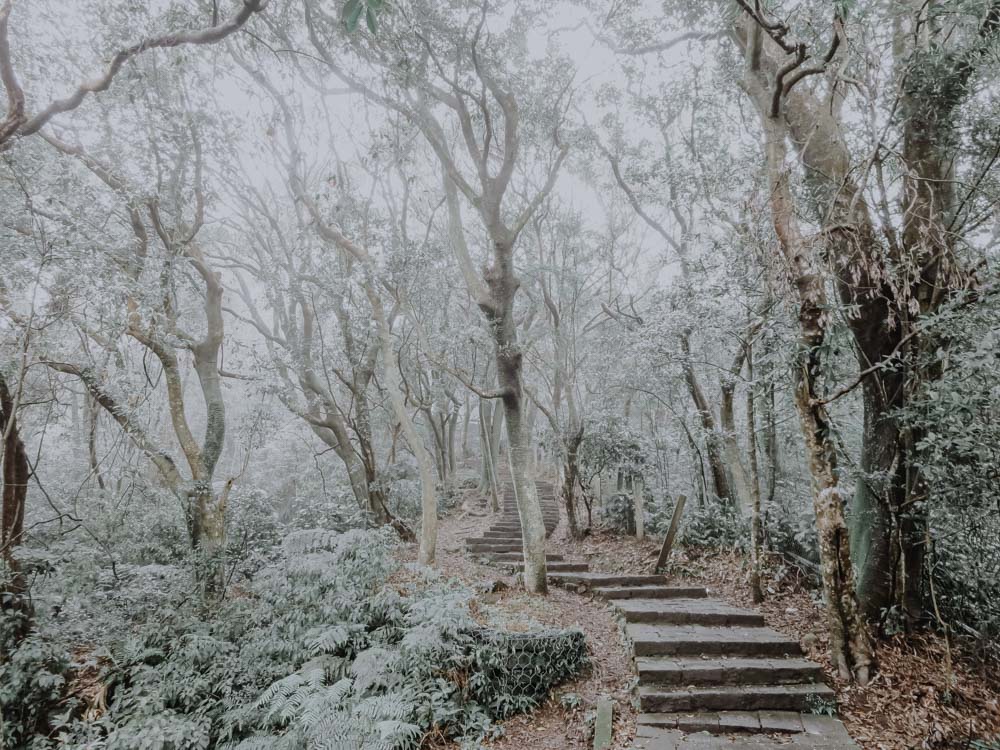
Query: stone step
[
  {"x": 508, "y": 526},
  {"x": 596, "y": 580},
  {"x": 655, "y": 731},
  {"x": 693, "y": 670},
  {"x": 482, "y": 548},
  {"x": 494, "y": 539},
  {"x": 654, "y": 698},
  {"x": 678, "y": 611},
  {"x": 515, "y": 557},
  {"x": 515, "y": 529},
  {"x": 729, "y": 722},
  {"x": 650, "y": 592},
  {"x": 696, "y": 640},
  {"x": 494, "y": 530},
  {"x": 555, "y": 567}
]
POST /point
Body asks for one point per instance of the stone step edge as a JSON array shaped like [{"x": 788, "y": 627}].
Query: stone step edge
[
  {"x": 735, "y": 698},
  {"x": 685, "y": 671},
  {"x": 737, "y": 722}
]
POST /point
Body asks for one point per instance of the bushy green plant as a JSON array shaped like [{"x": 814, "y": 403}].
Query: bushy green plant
[
  {"x": 957, "y": 426},
  {"x": 612, "y": 445},
  {"x": 718, "y": 525},
  {"x": 792, "y": 533},
  {"x": 33, "y": 676},
  {"x": 659, "y": 513},
  {"x": 320, "y": 651},
  {"x": 618, "y": 513},
  {"x": 514, "y": 671}
]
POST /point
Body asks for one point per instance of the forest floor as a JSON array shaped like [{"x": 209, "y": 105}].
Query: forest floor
[{"x": 915, "y": 701}]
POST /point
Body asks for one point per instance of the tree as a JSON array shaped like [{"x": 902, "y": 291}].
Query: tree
[
  {"x": 370, "y": 281},
  {"x": 892, "y": 281},
  {"x": 165, "y": 244}
]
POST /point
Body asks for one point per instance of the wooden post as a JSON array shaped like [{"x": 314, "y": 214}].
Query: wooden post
[{"x": 668, "y": 542}]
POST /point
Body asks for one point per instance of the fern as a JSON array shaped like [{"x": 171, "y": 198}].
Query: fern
[
  {"x": 323, "y": 654},
  {"x": 330, "y": 640}
]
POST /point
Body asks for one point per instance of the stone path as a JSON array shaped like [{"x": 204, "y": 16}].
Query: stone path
[{"x": 710, "y": 675}]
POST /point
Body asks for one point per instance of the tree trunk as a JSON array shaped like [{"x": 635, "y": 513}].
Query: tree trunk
[
  {"x": 208, "y": 536},
  {"x": 16, "y": 473},
  {"x": 484, "y": 448},
  {"x": 850, "y": 644},
  {"x": 490, "y": 420},
  {"x": 503, "y": 284},
  {"x": 872, "y": 525},
  {"x": 849, "y": 640},
  {"x": 571, "y": 475},
  {"x": 740, "y": 484},
  {"x": 716, "y": 463},
  {"x": 771, "y": 444},
  {"x": 364, "y": 484},
  {"x": 496, "y": 438},
  {"x": 466, "y": 416},
  {"x": 529, "y": 436},
  {"x": 428, "y": 497},
  {"x": 210, "y": 510},
  {"x": 529, "y": 509},
  {"x": 450, "y": 442},
  {"x": 639, "y": 498},
  {"x": 756, "y": 528},
  {"x": 432, "y": 430},
  {"x": 93, "y": 422}
]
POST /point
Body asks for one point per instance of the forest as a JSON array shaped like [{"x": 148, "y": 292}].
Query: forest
[{"x": 510, "y": 374}]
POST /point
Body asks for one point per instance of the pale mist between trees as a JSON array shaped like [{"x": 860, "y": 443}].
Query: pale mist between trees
[{"x": 282, "y": 268}]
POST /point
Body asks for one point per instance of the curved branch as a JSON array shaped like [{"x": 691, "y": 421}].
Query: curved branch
[
  {"x": 27, "y": 126},
  {"x": 163, "y": 462}
]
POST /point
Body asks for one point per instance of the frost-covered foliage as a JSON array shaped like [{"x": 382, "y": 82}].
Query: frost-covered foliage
[
  {"x": 612, "y": 445},
  {"x": 321, "y": 650},
  {"x": 957, "y": 425},
  {"x": 32, "y": 681},
  {"x": 714, "y": 525}
]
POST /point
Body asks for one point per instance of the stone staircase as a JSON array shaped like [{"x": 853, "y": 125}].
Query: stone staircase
[
  {"x": 710, "y": 675},
  {"x": 503, "y": 538}
]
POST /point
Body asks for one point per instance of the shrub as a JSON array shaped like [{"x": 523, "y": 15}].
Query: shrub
[
  {"x": 618, "y": 513},
  {"x": 32, "y": 680},
  {"x": 715, "y": 525},
  {"x": 792, "y": 533}
]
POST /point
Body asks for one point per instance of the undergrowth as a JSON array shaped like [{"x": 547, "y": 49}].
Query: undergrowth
[{"x": 320, "y": 651}]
